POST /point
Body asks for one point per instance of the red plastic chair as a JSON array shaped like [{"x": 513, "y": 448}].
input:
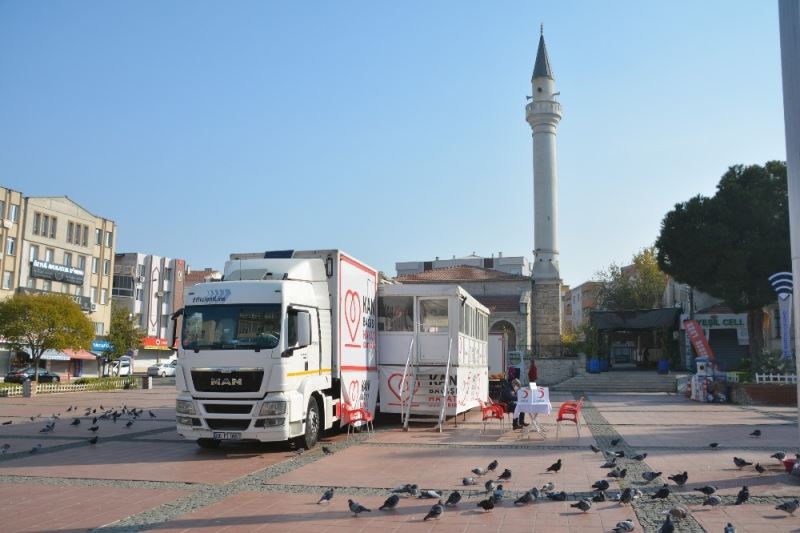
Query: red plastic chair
[
  {"x": 570, "y": 412},
  {"x": 351, "y": 415},
  {"x": 491, "y": 411}
]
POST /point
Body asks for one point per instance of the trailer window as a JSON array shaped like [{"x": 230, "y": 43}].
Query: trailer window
[
  {"x": 433, "y": 316},
  {"x": 231, "y": 327},
  {"x": 396, "y": 313}
]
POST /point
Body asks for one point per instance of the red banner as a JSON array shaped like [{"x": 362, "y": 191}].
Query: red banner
[
  {"x": 698, "y": 339},
  {"x": 155, "y": 343}
]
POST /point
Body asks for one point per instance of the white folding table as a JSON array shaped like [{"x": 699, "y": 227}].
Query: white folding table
[{"x": 534, "y": 401}]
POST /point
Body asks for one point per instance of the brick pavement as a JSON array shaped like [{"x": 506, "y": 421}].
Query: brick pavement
[{"x": 169, "y": 484}]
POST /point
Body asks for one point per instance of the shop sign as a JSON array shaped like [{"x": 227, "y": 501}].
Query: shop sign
[
  {"x": 53, "y": 272},
  {"x": 101, "y": 346},
  {"x": 155, "y": 343}
]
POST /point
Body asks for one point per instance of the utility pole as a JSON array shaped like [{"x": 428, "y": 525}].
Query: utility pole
[{"x": 789, "y": 22}]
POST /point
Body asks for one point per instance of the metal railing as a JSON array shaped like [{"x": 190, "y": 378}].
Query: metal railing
[
  {"x": 46, "y": 388},
  {"x": 776, "y": 378},
  {"x": 445, "y": 387}
]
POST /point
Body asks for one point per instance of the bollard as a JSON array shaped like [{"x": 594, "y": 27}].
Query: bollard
[
  {"x": 147, "y": 382},
  {"x": 27, "y": 388}
]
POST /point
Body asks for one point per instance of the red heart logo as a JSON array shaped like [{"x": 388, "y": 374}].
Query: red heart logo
[
  {"x": 352, "y": 313},
  {"x": 394, "y": 382}
]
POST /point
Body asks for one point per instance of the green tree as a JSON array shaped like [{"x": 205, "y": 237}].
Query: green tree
[
  {"x": 123, "y": 334},
  {"x": 729, "y": 244},
  {"x": 39, "y": 322},
  {"x": 638, "y": 286}
]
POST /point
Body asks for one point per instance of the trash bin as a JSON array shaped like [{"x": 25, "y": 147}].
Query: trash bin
[
  {"x": 594, "y": 365},
  {"x": 663, "y": 366},
  {"x": 603, "y": 365},
  {"x": 147, "y": 382}
]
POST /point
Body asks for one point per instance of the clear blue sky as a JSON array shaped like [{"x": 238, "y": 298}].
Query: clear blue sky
[{"x": 393, "y": 130}]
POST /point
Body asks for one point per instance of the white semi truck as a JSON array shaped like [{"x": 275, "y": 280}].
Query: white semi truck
[{"x": 278, "y": 348}]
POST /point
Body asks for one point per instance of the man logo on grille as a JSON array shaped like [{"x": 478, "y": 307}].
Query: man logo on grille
[{"x": 226, "y": 382}]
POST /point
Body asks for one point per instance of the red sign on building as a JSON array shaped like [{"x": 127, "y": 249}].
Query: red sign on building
[{"x": 698, "y": 339}]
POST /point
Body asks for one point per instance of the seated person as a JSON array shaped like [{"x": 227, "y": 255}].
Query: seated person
[{"x": 508, "y": 394}]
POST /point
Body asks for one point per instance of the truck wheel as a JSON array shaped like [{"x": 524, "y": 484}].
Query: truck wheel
[
  {"x": 208, "y": 444},
  {"x": 309, "y": 440}
]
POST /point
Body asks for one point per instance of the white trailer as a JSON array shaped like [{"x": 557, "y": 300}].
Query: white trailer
[
  {"x": 273, "y": 351},
  {"x": 431, "y": 339}
]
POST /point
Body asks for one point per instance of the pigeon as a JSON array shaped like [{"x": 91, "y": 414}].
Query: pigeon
[
  {"x": 75, "y": 422},
  {"x": 534, "y": 492},
  {"x": 599, "y": 497},
  {"x": 525, "y": 499},
  {"x": 624, "y": 526},
  {"x": 601, "y": 485},
  {"x": 594, "y": 448},
  {"x": 650, "y": 475},
  {"x": 94, "y": 440},
  {"x": 327, "y": 451},
  {"x": 298, "y": 452},
  {"x": 5, "y": 447},
  {"x": 548, "y": 487},
  {"x": 487, "y": 504},
  {"x": 640, "y": 457},
  {"x": 430, "y": 495},
  {"x": 94, "y": 428},
  {"x": 327, "y": 496},
  {"x": 129, "y": 424},
  {"x": 618, "y": 453},
  {"x": 741, "y": 463},
  {"x": 756, "y": 433},
  {"x": 390, "y": 503},
  {"x": 35, "y": 448},
  {"x": 94, "y": 411},
  {"x": 584, "y": 505},
  {"x": 677, "y": 512},
  {"x": 743, "y": 496},
  {"x": 557, "y": 496},
  {"x": 637, "y": 494},
  {"x": 729, "y": 528},
  {"x": 708, "y": 490},
  {"x": 94, "y": 420},
  {"x": 498, "y": 494},
  {"x": 453, "y": 499},
  {"x": 102, "y": 408},
  {"x": 555, "y": 467},
  {"x": 152, "y": 414},
  {"x": 506, "y": 475},
  {"x": 610, "y": 463},
  {"x": 356, "y": 508},
  {"x": 760, "y": 469},
  {"x": 618, "y": 473},
  {"x": 614, "y": 442},
  {"x": 661, "y": 493},
  {"x": 407, "y": 488},
  {"x": 680, "y": 479},
  {"x": 69, "y": 409},
  {"x": 667, "y": 526},
  {"x": 713, "y": 445},
  {"x": 626, "y": 496},
  {"x": 435, "y": 512},
  {"x": 492, "y": 466},
  {"x": 489, "y": 485},
  {"x": 7, "y": 422},
  {"x": 468, "y": 481},
  {"x": 789, "y": 507},
  {"x": 780, "y": 456},
  {"x": 712, "y": 500},
  {"x": 480, "y": 471}
]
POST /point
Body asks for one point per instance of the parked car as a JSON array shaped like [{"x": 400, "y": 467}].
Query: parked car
[
  {"x": 164, "y": 369},
  {"x": 18, "y": 376}
]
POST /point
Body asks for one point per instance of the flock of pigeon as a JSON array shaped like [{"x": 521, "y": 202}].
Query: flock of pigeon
[
  {"x": 494, "y": 492},
  {"x": 130, "y": 414}
]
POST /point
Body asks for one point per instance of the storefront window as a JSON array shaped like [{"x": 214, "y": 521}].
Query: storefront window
[{"x": 433, "y": 316}]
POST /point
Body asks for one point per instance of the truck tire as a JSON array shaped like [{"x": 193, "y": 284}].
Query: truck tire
[
  {"x": 309, "y": 440},
  {"x": 208, "y": 444}
]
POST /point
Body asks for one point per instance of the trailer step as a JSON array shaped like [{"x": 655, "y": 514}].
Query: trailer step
[{"x": 432, "y": 418}]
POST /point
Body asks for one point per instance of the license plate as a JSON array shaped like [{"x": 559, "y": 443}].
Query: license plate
[{"x": 225, "y": 435}]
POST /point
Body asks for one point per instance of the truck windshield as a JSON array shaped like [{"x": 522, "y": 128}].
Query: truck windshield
[{"x": 231, "y": 327}]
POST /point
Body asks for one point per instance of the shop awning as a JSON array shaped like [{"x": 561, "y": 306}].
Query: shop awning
[{"x": 66, "y": 355}]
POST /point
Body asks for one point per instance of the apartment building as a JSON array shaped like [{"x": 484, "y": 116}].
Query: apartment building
[
  {"x": 12, "y": 206},
  {"x": 151, "y": 288}
]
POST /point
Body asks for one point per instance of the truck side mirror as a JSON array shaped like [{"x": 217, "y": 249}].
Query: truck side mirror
[{"x": 303, "y": 329}]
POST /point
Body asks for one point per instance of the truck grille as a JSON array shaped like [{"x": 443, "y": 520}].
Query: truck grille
[
  {"x": 214, "y": 380},
  {"x": 232, "y": 424},
  {"x": 229, "y": 408}
]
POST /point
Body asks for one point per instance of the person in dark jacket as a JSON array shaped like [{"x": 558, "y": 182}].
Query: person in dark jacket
[{"x": 508, "y": 395}]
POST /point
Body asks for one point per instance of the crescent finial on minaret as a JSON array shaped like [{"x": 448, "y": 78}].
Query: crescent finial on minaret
[{"x": 541, "y": 28}]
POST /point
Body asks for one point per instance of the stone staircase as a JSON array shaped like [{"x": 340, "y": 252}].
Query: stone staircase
[{"x": 620, "y": 381}]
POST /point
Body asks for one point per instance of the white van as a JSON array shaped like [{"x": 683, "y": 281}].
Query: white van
[{"x": 121, "y": 367}]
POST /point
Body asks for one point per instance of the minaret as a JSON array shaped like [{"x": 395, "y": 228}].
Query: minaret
[{"x": 543, "y": 114}]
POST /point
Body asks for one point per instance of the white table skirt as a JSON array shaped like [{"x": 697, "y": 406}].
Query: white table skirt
[{"x": 534, "y": 408}]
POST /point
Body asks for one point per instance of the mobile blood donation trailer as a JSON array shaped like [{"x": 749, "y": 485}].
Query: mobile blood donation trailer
[{"x": 432, "y": 348}]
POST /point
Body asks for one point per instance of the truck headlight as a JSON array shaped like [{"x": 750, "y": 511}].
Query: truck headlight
[
  {"x": 273, "y": 408},
  {"x": 185, "y": 407}
]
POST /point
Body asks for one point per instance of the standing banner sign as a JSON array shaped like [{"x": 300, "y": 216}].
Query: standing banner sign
[
  {"x": 698, "y": 339},
  {"x": 782, "y": 283}
]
